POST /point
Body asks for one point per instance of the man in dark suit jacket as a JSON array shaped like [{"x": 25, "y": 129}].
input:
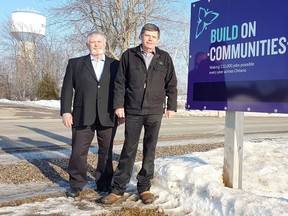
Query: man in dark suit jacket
[{"x": 89, "y": 82}]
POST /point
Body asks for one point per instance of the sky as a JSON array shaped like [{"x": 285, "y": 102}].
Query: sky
[
  {"x": 189, "y": 184},
  {"x": 9, "y": 6}
]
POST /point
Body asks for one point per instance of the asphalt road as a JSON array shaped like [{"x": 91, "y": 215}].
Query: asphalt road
[{"x": 25, "y": 128}]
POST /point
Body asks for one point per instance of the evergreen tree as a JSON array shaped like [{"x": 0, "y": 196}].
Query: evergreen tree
[{"x": 47, "y": 88}]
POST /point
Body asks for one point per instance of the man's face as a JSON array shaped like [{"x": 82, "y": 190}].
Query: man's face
[
  {"x": 149, "y": 40},
  {"x": 96, "y": 45}
]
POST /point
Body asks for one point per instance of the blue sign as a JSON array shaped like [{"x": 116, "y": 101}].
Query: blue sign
[{"x": 238, "y": 56}]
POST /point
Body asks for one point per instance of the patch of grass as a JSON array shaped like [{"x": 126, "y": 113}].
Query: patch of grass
[{"x": 135, "y": 212}]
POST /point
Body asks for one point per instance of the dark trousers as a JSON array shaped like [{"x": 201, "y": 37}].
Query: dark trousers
[
  {"x": 82, "y": 138},
  {"x": 133, "y": 127}
]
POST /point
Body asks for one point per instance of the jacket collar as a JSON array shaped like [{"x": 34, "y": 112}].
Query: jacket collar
[
  {"x": 138, "y": 49},
  {"x": 88, "y": 63}
]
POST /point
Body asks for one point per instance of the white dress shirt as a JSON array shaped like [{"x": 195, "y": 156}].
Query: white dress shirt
[{"x": 98, "y": 65}]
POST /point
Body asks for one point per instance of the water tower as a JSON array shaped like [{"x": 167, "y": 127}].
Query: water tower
[{"x": 27, "y": 27}]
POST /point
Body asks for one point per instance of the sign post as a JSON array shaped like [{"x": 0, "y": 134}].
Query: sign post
[{"x": 233, "y": 149}]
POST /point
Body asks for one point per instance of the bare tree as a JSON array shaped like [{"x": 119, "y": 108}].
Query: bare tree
[
  {"x": 5, "y": 81},
  {"x": 24, "y": 62},
  {"x": 52, "y": 57},
  {"x": 119, "y": 20},
  {"x": 8, "y": 49},
  {"x": 176, "y": 41}
]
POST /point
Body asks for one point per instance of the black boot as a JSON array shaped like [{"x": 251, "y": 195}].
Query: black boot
[{"x": 73, "y": 192}]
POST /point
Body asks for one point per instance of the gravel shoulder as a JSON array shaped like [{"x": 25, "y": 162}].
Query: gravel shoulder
[{"x": 18, "y": 179}]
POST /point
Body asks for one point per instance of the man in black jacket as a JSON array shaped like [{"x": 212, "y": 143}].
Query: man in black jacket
[
  {"x": 89, "y": 81},
  {"x": 145, "y": 87}
]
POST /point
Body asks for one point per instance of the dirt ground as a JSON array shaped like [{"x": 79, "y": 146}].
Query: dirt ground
[{"x": 55, "y": 170}]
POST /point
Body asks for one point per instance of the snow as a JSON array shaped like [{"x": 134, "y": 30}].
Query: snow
[{"x": 186, "y": 185}]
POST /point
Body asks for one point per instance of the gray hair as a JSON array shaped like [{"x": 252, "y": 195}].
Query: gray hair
[
  {"x": 95, "y": 33},
  {"x": 150, "y": 27}
]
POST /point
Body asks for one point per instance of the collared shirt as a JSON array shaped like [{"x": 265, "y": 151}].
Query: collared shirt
[
  {"x": 98, "y": 65},
  {"x": 147, "y": 56}
]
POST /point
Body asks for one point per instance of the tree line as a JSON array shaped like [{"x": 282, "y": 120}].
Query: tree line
[{"x": 39, "y": 76}]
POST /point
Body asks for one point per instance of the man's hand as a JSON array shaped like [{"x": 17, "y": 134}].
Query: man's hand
[
  {"x": 119, "y": 112},
  {"x": 67, "y": 120},
  {"x": 169, "y": 114}
]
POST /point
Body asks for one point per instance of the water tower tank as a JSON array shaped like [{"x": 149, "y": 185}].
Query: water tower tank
[{"x": 28, "y": 25}]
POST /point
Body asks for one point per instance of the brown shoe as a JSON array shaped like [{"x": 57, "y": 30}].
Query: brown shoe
[
  {"x": 147, "y": 197},
  {"x": 110, "y": 199}
]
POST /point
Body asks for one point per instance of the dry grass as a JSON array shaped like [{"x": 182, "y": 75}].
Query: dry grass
[
  {"x": 56, "y": 169},
  {"x": 135, "y": 212}
]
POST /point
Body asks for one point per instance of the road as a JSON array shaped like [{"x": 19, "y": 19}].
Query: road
[{"x": 29, "y": 128}]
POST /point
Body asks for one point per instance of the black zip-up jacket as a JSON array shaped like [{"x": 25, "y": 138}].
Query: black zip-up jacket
[{"x": 140, "y": 91}]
